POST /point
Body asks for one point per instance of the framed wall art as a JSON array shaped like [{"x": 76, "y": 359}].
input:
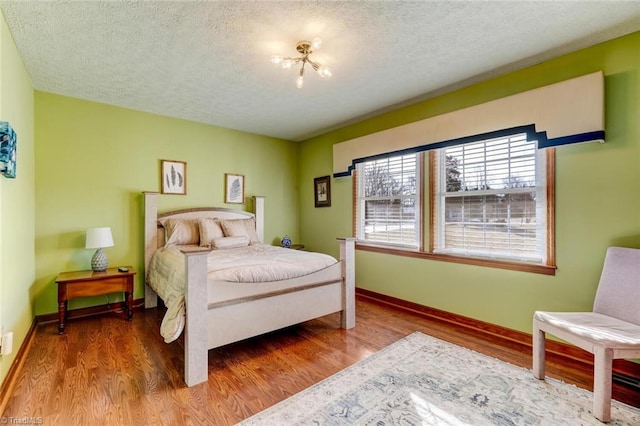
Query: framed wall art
[
  {"x": 7, "y": 150},
  {"x": 174, "y": 177},
  {"x": 234, "y": 188},
  {"x": 322, "y": 191}
]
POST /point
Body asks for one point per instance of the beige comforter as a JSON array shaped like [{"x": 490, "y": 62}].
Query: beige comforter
[{"x": 252, "y": 264}]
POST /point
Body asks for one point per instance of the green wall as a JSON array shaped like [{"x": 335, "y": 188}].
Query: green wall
[
  {"x": 17, "y": 201},
  {"x": 94, "y": 160},
  {"x": 597, "y": 200}
]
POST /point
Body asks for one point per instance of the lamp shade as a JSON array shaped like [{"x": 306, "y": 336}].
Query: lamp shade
[{"x": 99, "y": 237}]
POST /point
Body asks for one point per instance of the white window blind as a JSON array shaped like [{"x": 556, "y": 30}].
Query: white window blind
[
  {"x": 388, "y": 202},
  {"x": 491, "y": 200}
]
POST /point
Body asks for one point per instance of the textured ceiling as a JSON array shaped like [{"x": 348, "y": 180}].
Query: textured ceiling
[{"x": 209, "y": 61}]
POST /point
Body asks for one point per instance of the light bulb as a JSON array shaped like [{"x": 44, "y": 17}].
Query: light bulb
[
  {"x": 286, "y": 64},
  {"x": 275, "y": 59},
  {"x": 325, "y": 72},
  {"x": 315, "y": 43},
  {"x": 299, "y": 82}
]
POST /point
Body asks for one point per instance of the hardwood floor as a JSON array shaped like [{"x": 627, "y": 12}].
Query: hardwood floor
[{"x": 105, "y": 370}]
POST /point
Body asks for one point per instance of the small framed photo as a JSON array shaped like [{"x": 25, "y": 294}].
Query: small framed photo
[
  {"x": 234, "y": 188},
  {"x": 322, "y": 190},
  {"x": 174, "y": 177}
]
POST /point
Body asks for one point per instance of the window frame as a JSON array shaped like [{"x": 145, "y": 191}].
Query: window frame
[
  {"x": 549, "y": 268},
  {"x": 491, "y": 160},
  {"x": 358, "y": 213}
]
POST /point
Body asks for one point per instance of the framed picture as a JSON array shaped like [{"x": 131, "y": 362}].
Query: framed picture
[
  {"x": 7, "y": 150},
  {"x": 174, "y": 177},
  {"x": 234, "y": 188},
  {"x": 322, "y": 190}
]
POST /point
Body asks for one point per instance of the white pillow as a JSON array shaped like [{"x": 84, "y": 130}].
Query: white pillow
[
  {"x": 229, "y": 242},
  {"x": 209, "y": 230},
  {"x": 181, "y": 231},
  {"x": 239, "y": 228}
]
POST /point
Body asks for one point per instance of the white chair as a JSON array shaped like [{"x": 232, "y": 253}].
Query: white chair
[{"x": 610, "y": 332}]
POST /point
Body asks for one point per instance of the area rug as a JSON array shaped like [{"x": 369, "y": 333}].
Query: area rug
[{"x": 421, "y": 380}]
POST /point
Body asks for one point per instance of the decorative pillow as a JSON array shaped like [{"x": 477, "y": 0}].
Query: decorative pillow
[
  {"x": 239, "y": 228},
  {"x": 209, "y": 230},
  {"x": 181, "y": 231},
  {"x": 229, "y": 242}
]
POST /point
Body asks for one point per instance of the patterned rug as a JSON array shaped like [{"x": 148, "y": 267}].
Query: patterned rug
[{"x": 421, "y": 380}]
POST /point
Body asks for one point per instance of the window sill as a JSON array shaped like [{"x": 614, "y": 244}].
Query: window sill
[{"x": 491, "y": 263}]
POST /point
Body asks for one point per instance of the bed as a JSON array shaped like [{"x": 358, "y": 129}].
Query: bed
[{"x": 217, "y": 311}]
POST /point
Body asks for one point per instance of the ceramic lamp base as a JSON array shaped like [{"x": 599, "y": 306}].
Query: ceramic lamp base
[
  {"x": 286, "y": 241},
  {"x": 99, "y": 261}
]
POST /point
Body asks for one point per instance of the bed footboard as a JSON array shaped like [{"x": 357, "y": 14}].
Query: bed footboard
[{"x": 198, "y": 313}]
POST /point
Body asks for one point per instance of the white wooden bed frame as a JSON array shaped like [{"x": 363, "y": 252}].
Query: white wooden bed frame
[{"x": 217, "y": 314}]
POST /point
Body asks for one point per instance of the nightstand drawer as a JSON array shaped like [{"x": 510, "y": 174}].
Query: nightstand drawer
[{"x": 97, "y": 288}]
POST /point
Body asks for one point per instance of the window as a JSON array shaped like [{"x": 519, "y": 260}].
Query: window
[
  {"x": 388, "y": 201},
  {"x": 490, "y": 201}
]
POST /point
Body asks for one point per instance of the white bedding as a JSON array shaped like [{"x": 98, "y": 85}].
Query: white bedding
[{"x": 257, "y": 263}]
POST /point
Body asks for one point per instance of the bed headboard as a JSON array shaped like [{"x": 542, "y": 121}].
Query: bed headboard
[{"x": 154, "y": 232}]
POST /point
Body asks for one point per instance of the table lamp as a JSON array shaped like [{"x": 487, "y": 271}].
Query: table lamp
[{"x": 99, "y": 238}]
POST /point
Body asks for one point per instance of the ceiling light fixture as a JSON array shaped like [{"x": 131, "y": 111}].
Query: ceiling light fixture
[{"x": 305, "y": 48}]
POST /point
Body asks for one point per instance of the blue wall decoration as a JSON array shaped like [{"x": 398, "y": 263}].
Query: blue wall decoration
[{"x": 7, "y": 150}]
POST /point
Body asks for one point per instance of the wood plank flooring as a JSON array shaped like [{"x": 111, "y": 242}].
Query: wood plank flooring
[{"x": 108, "y": 371}]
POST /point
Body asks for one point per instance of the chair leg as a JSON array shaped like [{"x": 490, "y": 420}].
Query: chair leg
[
  {"x": 538, "y": 351},
  {"x": 602, "y": 369}
]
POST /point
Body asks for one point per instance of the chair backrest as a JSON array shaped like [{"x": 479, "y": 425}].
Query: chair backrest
[{"x": 618, "y": 293}]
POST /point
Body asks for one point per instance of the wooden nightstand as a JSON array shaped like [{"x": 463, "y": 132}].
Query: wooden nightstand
[
  {"x": 89, "y": 283},
  {"x": 297, "y": 246}
]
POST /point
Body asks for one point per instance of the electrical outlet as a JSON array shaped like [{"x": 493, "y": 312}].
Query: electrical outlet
[{"x": 6, "y": 344}]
